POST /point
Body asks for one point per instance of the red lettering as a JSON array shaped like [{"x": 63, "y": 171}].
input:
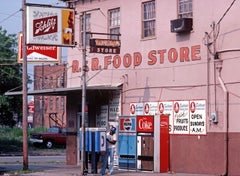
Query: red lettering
[
  {"x": 184, "y": 54},
  {"x": 95, "y": 64},
  {"x": 75, "y": 66},
  {"x": 137, "y": 59},
  {"x": 195, "y": 52},
  {"x": 152, "y": 57},
  {"x": 116, "y": 61},
  {"x": 161, "y": 53},
  {"x": 107, "y": 61},
  {"x": 127, "y": 60},
  {"x": 172, "y": 55}
]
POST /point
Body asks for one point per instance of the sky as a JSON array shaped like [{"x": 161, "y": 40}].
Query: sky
[
  {"x": 11, "y": 16},
  {"x": 11, "y": 20}
]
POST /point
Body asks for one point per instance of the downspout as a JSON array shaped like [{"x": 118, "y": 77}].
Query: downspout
[{"x": 226, "y": 106}]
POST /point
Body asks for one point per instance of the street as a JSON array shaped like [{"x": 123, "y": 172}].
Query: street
[{"x": 15, "y": 163}]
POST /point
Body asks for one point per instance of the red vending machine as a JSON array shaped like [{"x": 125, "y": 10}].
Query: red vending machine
[{"x": 145, "y": 142}]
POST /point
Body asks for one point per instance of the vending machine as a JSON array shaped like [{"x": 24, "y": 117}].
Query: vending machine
[
  {"x": 145, "y": 142},
  {"x": 127, "y": 144}
]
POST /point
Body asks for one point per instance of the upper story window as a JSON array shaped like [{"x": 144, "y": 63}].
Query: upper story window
[
  {"x": 149, "y": 19},
  {"x": 88, "y": 29},
  {"x": 185, "y": 9},
  {"x": 114, "y": 23}
]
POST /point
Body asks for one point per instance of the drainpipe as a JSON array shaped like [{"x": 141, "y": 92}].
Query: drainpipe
[{"x": 225, "y": 103}]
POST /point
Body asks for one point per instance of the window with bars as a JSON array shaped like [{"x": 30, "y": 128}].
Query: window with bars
[
  {"x": 88, "y": 29},
  {"x": 149, "y": 19},
  {"x": 114, "y": 23},
  {"x": 185, "y": 9}
]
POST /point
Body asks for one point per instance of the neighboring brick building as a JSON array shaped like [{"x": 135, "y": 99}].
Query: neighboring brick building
[{"x": 49, "y": 110}]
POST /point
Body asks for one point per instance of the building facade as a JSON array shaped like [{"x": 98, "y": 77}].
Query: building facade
[
  {"x": 49, "y": 110},
  {"x": 179, "y": 58}
]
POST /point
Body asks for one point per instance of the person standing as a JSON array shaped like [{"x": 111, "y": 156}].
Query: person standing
[{"x": 111, "y": 142}]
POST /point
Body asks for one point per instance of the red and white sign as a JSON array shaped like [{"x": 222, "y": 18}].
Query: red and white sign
[
  {"x": 31, "y": 107},
  {"x": 38, "y": 53},
  {"x": 127, "y": 124},
  {"x": 50, "y": 26},
  {"x": 145, "y": 124}
]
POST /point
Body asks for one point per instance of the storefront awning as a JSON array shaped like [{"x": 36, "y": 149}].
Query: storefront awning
[{"x": 66, "y": 91}]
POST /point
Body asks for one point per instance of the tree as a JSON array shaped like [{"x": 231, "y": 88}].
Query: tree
[{"x": 10, "y": 79}]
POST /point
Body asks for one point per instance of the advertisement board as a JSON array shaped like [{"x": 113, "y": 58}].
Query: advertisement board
[
  {"x": 145, "y": 124},
  {"x": 39, "y": 53},
  {"x": 127, "y": 124},
  {"x": 50, "y": 25}
]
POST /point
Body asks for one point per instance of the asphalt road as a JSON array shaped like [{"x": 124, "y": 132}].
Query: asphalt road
[{"x": 15, "y": 163}]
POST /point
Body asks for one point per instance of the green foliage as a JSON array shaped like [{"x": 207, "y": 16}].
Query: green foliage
[
  {"x": 11, "y": 139},
  {"x": 10, "y": 79}
]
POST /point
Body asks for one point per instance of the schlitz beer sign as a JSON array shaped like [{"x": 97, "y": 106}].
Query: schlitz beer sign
[
  {"x": 50, "y": 26},
  {"x": 105, "y": 46}
]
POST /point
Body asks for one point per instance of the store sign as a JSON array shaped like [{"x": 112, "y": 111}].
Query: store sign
[
  {"x": 39, "y": 53},
  {"x": 50, "y": 26},
  {"x": 105, "y": 46},
  {"x": 155, "y": 57},
  {"x": 145, "y": 124}
]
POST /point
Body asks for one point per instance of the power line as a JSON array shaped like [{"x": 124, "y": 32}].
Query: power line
[{"x": 3, "y": 20}]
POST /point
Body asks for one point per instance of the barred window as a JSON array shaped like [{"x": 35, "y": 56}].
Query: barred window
[
  {"x": 149, "y": 19},
  {"x": 185, "y": 9},
  {"x": 114, "y": 23}
]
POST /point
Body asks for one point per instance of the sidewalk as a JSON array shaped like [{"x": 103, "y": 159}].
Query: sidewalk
[{"x": 75, "y": 171}]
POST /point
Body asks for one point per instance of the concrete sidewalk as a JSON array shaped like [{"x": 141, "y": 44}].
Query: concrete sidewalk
[{"x": 75, "y": 171}]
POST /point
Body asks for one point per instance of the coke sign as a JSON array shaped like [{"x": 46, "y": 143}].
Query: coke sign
[{"x": 145, "y": 124}]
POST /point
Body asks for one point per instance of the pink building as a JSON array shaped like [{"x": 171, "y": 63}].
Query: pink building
[{"x": 178, "y": 57}]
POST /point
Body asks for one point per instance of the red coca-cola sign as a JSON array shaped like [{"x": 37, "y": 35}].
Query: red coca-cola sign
[
  {"x": 43, "y": 26},
  {"x": 145, "y": 124}
]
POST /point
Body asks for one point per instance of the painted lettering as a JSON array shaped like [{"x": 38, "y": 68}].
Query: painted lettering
[
  {"x": 107, "y": 61},
  {"x": 95, "y": 64},
  {"x": 137, "y": 59},
  {"x": 161, "y": 54},
  {"x": 172, "y": 55},
  {"x": 184, "y": 54},
  {"x": 116, "y": 61},
  {"x": 152, "y": 57},
  {"x": 195, "y": 50},
  {"x": 127, "y": 60}
]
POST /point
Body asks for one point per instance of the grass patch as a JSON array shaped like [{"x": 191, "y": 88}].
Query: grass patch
[{"x": 11, "y": 139}]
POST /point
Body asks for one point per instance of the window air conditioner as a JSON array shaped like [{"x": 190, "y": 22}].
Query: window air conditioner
[{"x": 181, "y": 25}]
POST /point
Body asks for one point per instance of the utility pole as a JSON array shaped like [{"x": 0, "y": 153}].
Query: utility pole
[
  {"x": 83, "y": 154},
  {"x": 24, "y": 90}
]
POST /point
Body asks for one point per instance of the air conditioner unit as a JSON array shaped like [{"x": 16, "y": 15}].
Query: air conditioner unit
[{"x": 181, "y": 25}]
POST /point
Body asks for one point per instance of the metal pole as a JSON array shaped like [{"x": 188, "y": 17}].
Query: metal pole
[
  {"x": 24, "y": 94},
  {"x": 83, "y": 167}
]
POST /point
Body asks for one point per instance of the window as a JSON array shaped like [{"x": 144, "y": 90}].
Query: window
[
  {"x": 88, "y": 29},
  {"x": 114, "y": 23},
  {"x": 149, "y": 19},
  {"x": 185, "y": 9}
]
